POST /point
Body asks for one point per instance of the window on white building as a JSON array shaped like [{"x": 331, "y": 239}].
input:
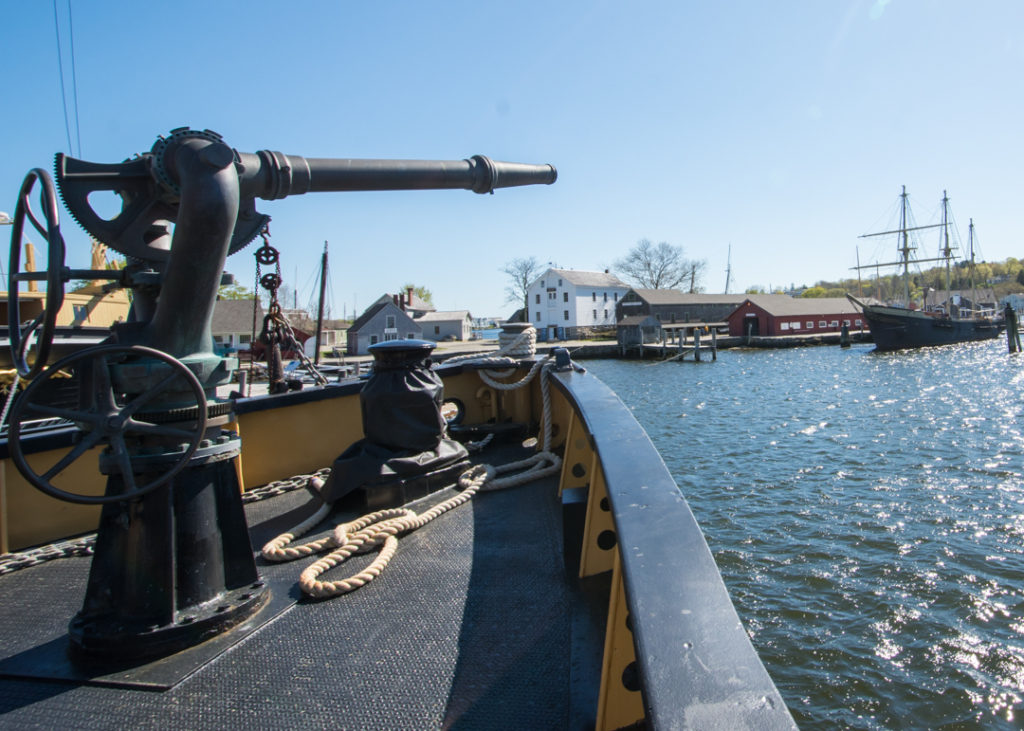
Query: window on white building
[
  {"x": 245, "y": 339},
  {"x": 606, "y": 314},
  {"x": 593, "y": 296},
  {"x": 566, "y": 314},
  {"x": 565, "y": 296},
  {"x": 538, "y": 299},
  {"x": 595, "y": 314},
  {"x": 390, "y": 321},
  {"x": 537, "y": 318}
]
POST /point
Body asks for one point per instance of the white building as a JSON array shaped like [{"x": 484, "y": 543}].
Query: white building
[{"x": 565, "y": 303}]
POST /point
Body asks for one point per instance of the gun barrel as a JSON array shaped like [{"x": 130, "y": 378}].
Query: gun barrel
[{"x": 277, "y": 175}]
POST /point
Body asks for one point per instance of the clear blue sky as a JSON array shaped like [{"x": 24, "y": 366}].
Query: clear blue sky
[{"x": 784, "y": 129}]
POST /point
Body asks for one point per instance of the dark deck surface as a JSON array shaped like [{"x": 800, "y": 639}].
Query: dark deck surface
[{"x": 470, "y": 626}]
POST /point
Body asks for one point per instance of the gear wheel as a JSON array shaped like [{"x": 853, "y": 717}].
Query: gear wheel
[{"x": 188, "y": 413}]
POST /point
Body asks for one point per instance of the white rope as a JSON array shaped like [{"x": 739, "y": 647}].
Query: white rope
[
  {"x": 382, "y": 528},
  {"x": 523, "y": 345}
]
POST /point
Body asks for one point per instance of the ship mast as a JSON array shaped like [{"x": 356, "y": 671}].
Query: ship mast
[
  {"x": 728, "y": 269},
  {"x": 947, "y": 253},
  {"x": 320, "y": 307},
  {"x": 905, "y": 248},
  {"x": 970, "y": 244}
]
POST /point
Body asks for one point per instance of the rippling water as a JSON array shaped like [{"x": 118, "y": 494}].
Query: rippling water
[{"x": 867, "y": 513}]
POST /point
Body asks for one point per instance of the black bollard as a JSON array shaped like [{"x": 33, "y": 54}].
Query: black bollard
[{"x": 406, "y": 452}]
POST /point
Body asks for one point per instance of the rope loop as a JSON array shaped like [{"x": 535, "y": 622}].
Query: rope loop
[{"x": 381, "y": 530}]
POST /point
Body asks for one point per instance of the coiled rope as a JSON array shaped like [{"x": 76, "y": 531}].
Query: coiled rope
[{"x": 382, "y": 528}]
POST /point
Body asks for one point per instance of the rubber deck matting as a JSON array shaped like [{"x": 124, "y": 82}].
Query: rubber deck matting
[{"x": 469, "y": 627}]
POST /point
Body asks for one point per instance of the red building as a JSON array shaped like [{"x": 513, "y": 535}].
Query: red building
[{"x": 780, "y": 314}]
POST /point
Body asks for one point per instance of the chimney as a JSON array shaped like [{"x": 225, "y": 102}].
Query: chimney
[
  {"x": 408, "y": 291},
  {"x": 394, "y": 298}
]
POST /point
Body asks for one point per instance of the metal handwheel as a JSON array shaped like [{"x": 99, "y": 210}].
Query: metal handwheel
[
  {"x": 108, "y": 420},
  {"x": 19, "y": 337}
]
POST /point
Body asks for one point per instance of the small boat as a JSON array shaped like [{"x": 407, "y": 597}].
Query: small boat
[
  {"x": 899, "y": 326},
  {"x": 481, "y": 543}
]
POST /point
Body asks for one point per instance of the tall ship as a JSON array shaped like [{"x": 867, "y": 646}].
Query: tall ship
[{"x": 955, "y": 320}]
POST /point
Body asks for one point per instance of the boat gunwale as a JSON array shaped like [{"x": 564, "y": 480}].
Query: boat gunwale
[{"x": 696, "y": 660}]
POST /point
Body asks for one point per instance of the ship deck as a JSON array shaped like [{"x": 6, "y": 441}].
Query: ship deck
[{"x": 476, "y": 623}]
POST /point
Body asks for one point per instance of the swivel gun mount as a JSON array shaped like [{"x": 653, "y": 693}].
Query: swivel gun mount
[
  {"x": 148, "y": 393},
  {"x": 194, "y": 180}
]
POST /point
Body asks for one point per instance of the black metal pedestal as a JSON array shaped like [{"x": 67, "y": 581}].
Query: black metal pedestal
[{"x": 173, "y": 567}]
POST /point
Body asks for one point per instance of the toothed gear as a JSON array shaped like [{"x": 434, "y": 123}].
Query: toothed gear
[
  {"x": 187, "y": 413},
  {"x": 161, "y": 146}
]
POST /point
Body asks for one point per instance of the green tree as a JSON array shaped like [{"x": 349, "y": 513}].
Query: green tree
[
  {"x": 234, "y": 291},
  {"x": 422, "y": 292},
  {"x": 815, "y": 291}
]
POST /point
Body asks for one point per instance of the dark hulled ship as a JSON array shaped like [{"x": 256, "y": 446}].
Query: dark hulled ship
[{"x": 897, "y": 326}]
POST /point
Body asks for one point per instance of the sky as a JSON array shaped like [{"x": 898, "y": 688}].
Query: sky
[{"x": 779, "y": 131}]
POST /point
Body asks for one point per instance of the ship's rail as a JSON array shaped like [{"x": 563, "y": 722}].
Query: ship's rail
[{"x": 697, "y": 667}]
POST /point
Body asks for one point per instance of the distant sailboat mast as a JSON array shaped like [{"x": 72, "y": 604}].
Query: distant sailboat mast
[{"x": 728, "y": 269}]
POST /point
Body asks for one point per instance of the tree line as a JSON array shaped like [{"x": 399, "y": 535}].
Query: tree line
[
  {"x": 645, "y": 266},
  {"x": 1003, "y": 278}
]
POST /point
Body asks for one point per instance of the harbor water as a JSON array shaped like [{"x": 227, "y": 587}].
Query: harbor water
[{"x": 867, "y": 514}]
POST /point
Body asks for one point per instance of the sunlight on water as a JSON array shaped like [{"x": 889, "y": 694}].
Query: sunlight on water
[{"x": 867, "y": 513}]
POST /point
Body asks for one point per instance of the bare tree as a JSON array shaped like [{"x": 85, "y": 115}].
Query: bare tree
[
  {"x": 522, "y": 272},
  {"x": 660, "y": 267}
]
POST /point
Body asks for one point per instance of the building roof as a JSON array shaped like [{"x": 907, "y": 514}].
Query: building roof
[
  {"x": 783, "y": 305},
  {"x": 443, "y": 316},
  {"x": 381, "y": 304},
  {"x": 636, "y": 320},
  {"x": 587, "y": 279},
  {"x": 235, "y": 316},
  {"x": 675, "y": 297}
]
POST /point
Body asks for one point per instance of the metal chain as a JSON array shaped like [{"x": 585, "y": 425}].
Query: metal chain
[
  {"x": 11, "y": 562},
  {"x": 280, "y": 487},
  {"x": 276, "y": 328},
  {"x": 84, "y": 546}
]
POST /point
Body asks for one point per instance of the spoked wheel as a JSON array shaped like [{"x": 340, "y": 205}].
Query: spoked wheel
[
  {"x": 49, "y": 228},
  {"x": 111, "y": 418}
]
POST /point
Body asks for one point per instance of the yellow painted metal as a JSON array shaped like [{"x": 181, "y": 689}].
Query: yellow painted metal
[
  {"x": 294, "y": 440},
  {"x": 89, "y": 307},
  {"x": 29, "y": 517},
  {"x": 617, "y": 705},
  {"x": 561, "y": 414},
  {"x": 599, "y": 538},
  {"x": 578, "y": 456}
]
